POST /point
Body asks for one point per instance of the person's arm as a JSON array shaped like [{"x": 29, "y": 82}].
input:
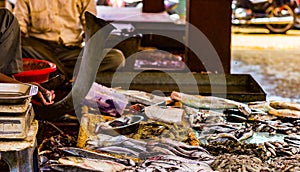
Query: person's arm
[
  {"x": 22, "y": 14},
  {"x": 42, "y": 91}
]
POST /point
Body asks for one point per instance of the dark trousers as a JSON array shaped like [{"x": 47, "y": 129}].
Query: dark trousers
[{"x": 67, "y": 57}]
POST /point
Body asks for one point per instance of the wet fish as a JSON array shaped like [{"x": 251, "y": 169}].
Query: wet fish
[
  {"x": 160, "y": 150},
  {"x": 119, "y": 150},
  {"x": 246, "y": 135},
  {"x": 190, "y": 165},
  {"x": 285, "y": 105},
  {"x": 183, "y": 145},
  {"x": 209, "y": 102},
  {"x": 129, "y": 144},
  {"x": 263, "y": 106},
  {"x": 92, "y": 164},
  {"x": 285, "y": 113},
  {"x": 221, "y": 135},
  {"x": 94, "y": 155}
]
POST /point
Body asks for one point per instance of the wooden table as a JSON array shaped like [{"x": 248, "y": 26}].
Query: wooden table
[{"x": 144, "y": 23}]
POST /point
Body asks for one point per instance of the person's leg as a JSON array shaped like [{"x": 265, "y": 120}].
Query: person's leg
[
  {"x": 10, "y": 43},
  {"x": 43, "y": 50},
  {"x": 113, "y": 59}
]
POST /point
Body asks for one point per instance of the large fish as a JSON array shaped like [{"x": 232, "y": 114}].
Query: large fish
[
  {"x": 285, "y": 113},
  {"x": 94, "y": 155},
  {"x": 285, "y": 105},
  {"x": 209, "y": 102},
  {"x": 92, "y": 164}
]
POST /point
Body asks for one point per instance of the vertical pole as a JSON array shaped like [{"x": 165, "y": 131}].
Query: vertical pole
[{"x": 212, "y": 18}]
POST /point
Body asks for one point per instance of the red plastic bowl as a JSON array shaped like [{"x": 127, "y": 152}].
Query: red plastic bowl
[{"x": 35, "y": 70}]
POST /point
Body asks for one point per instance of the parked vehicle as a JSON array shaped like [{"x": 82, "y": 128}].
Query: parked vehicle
[
  {"x": 264, "y": 12},
  {"x": 297, "y": 13}
]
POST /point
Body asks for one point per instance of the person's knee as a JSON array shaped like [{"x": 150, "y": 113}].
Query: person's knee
[{"x": 117, "y": 59}]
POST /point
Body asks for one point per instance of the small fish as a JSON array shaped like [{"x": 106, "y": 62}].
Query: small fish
[
  {"x": 182, "y": 145},
  {"x": 222, "y": 135},
  {"x": 246, "y": 135}
]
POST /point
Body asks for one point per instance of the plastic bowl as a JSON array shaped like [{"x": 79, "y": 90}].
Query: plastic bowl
[
  {"x": 126, "y": 129},
  {"x": 35, "y": 70}
]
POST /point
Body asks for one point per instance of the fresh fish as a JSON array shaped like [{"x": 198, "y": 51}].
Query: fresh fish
[
  {"x": 159, "y": 149},
  {"x": 246, "y": 135},
  {"x": 119, "y": 150},
  {"x": 143, "y": 97},
  {"x": 188, "y": 164},
  {"x": 285, "y": 105},
  {"x": 94, "y": 155},
  {"x": 92, "y": 164},
  {"x": 285, "y": 113},
  {"x": 263, "y": 106},
  {"x": 132, "y": 145},
  {"x": 183, "y": 145},
  {"x": 67, "y": 168},
  {"x": 175, "y": 151},
  {"x": 209, "y": 102},
  {"x": 221, "y": 135}
]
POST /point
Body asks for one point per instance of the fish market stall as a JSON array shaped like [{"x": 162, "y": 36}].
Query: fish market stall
[{"x": 133, "y": 130}]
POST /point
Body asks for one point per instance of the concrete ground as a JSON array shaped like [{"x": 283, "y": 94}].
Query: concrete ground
[{"x": 272, "y": 59}]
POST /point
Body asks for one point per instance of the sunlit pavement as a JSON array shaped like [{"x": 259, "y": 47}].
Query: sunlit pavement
[{"x": 273, "y": 60}]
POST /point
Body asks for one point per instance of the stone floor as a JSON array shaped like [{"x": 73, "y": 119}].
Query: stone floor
[{"x": 273, "y": 60}]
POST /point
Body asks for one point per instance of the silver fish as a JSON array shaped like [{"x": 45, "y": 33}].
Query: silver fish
[
  {"x": 246, "y": 135},
  {"x": 119, "y": 150},
  {"x": 209, "y": 102},
  {"x": 92, "y": 164},
  {"x": 94, "y": 155}
]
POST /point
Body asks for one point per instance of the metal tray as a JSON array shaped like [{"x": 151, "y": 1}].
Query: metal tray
[
  {"x": 238, "y": 87},
  {"x": 11, "y": 93}
]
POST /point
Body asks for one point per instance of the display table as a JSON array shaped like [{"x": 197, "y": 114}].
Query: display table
[
  {"x": 20, "y": 155},
  {"x": 153, "y": 24}
]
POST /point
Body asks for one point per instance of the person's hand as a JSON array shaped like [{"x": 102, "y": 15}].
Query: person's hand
[{"x": 44, "y": 96}]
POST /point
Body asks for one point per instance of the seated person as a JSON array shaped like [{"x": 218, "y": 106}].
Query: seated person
[
  {"x": 56, "y": 34},
  {"x": 10, "y": 48}
]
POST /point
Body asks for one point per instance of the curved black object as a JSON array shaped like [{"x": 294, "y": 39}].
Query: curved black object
[{"x": 97, "y": 32}]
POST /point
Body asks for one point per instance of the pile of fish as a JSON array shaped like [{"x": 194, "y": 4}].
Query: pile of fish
[
  {"x": 50, "y": 148},
  {"x": 243, "y": 163},
  {"x": 172, "y": 163},
  {"x": 287, "y": 163},
  {"x": 144, "y": 149},
  {"x": 221, "y": 135}
]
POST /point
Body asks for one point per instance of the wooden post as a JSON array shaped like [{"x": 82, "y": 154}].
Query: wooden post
[
  {"x": 213, "y": 19},
  {"x": 153, "y": 6}
]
